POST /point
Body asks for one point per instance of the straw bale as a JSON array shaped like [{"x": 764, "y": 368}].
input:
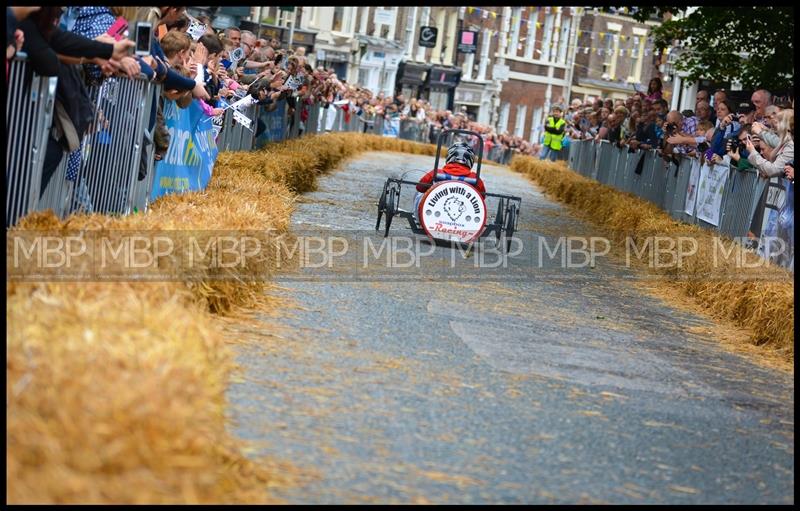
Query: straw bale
[
  {"x": 115, "y": 394},
  {"x": 764, "y": 306},
  {"x": 115, "y": 391}
]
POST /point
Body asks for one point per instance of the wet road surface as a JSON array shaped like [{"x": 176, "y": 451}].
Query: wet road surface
[{"x": 538, "y": 385}]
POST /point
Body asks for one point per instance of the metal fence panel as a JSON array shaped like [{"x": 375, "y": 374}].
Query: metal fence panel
[
  {"x": 112, "y": 154},
  {"x": 55, "y": 196},
  {"x": 605, "y": 158},
  {"x": 741, "y": 195},
  {"x": 574, "y": 152},
  {"x": 30, "y": 102},
  {"x": 622, "y": 170},
  {"x": 658, "y": 181}
]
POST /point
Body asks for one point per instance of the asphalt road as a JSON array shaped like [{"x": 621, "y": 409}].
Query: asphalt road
[{"x": 533, "y": 385}]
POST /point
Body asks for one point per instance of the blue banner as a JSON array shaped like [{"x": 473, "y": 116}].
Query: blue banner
[
  {"x": 274, "y": 125},
  {"x": 391, "y": 127},
  {"x": 189, "y": 161}
]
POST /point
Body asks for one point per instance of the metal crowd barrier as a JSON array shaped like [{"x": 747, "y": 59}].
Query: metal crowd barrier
[
  {"x": 665, "y": 184},
  {"x": 102, "y": 176},
  {"x": 30, "y": 101},
  {"x": 411, "y": 130},
  {"x": 111, "y": 156},
  {"x": 236, "y": 136}
]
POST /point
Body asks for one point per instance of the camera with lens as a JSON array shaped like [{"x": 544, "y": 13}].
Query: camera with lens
[
  {"x": 702, "y": 147},
  {"x": 734, "y": 145},
  {"x": 670, "y": 128}
]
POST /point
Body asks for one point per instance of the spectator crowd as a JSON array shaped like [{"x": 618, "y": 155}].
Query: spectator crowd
[
  {"x": 758, "y": 133},
  {"x": 193, "y": 62}
]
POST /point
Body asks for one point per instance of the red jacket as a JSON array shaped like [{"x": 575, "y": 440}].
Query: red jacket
[{"x": 454, "y": 169}]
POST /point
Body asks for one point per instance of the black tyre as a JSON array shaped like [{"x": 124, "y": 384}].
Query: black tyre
[
  {"x": 498, "y": 220},
  {"x": 511, "y": 225},
  {"x": 391, "y": 208},
  {"x": 381, "y": 207}
]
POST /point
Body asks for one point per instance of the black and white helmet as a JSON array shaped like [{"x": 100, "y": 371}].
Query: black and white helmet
[{"x": 461, "y": 152}]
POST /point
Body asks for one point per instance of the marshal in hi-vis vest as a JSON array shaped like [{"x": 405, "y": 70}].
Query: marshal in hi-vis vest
[{"x": 551, "y": 140}]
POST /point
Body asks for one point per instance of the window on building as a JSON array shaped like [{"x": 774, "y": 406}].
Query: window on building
[
  {"x": 536, "y": 125},
  {"x": 547, "y": 37},
  {"x": 563, "y": 42},
  {"x": 438, "y": 99},
  {"x": 363, "y": 77},
  {"x": 502, "y": 125},
  {"x": 386, "y": 81},
  {"x": 338, "y": 19},
  {"x": 636, "y": 69},
  {"x": 519, "y": 125},
  {"x": 608, "y": 54}
]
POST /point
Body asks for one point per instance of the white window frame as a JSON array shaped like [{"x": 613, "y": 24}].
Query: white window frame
[
  {"x": 535, "y": 121},
  {"x": 516, "y": 14},
  {"x": 502, "y": 124},
  {"x": 563, "y": 41},
  {"x": 614, "y": 29},
  {"x": 547, "y": 37},
  {"x": 519, "y": 123},
  {"x": 530, "y": 38}
]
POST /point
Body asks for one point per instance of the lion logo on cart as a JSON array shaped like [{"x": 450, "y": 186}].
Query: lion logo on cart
[{"x": 454, "y": 207}]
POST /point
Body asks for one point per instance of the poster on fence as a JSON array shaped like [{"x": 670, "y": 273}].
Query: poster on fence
[
  {"x": 691, "y": 189},
  {"x": 274, "y": 125},
  {"x": 391, "y": 127},
  {"x": 709, "y": 192},
  {"x": 776, "y": 237},
  {"x": 189, "y": 161}
]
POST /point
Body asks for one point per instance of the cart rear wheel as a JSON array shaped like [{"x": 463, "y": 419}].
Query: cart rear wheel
[
  {"x": 498, "y": 220},
  {"x": 381, "y": 207},
  {"x": 511, "y": 225},
  {"x": 391, "y": 207}
]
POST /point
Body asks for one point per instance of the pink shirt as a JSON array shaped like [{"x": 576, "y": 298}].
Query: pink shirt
[{"x": 654, "y": 96}]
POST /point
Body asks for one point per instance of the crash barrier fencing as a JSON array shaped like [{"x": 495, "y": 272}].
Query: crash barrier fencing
[
  {"x": 718, "y": 197},
  {"x": 112, "y": 169}
]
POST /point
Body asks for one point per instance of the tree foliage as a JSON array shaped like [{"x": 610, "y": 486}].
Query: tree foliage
[{"x": 753, "y": 45}]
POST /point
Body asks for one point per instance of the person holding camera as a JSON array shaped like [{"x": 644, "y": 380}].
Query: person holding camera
[
  {"x": 728, "y": 126},
  {"x": 783, "y": 153},
  {"x": 766, "y": 130},
  {"x": 735, "y": 152},
  {"x": 679, "y": 134}
]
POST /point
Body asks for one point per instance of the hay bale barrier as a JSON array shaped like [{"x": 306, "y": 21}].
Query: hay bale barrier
[
  {"x": 116, "y": 390},
  {"x": 763, "y": 306}
]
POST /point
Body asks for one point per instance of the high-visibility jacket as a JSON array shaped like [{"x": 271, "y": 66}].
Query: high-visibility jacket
[{"x": 554, "y": 133}]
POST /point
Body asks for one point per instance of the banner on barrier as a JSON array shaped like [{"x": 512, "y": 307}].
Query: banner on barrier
[
  {"x": 691, "y": 189},
  {"x": 274, "y": 125},
  {"x": 189, "y": 161},
  {"x": 391, "y": 127},
  {"x": 776, "y": 237},
  {"x": 709, "y": 192}
]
